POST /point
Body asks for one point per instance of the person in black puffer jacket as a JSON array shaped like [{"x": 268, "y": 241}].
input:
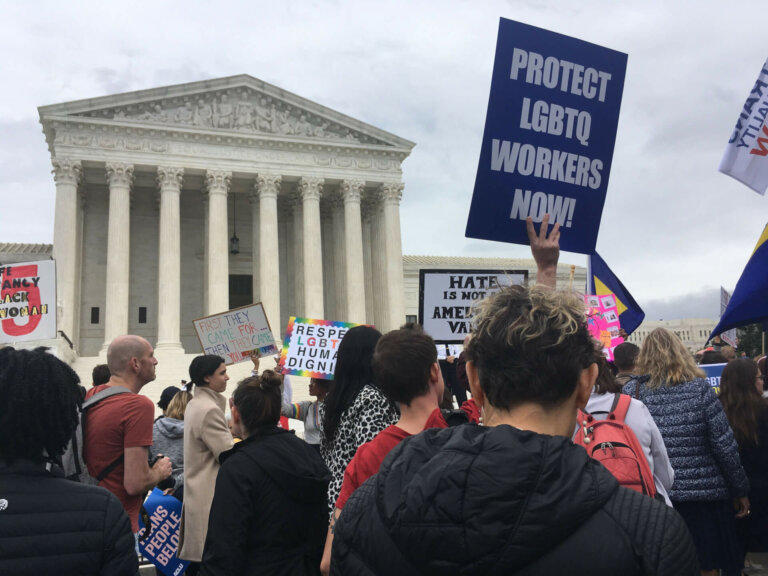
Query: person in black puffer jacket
[
  {"x": 50, "y": 525},
  {"x": 269, "y": 514},
  {"x": 514, "y": 496}
]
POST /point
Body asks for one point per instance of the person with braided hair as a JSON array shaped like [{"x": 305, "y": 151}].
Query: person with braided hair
[{"x": 50, "y": 525}]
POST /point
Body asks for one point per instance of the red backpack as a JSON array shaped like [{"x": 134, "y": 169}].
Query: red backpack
[{"x": 612, "y": 443}]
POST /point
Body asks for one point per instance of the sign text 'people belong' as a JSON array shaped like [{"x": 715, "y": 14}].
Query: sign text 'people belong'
[
  {"x": 446, "y": 298},
  {"x": 162, "y": 544},
  {"x": 549, "y": 135},
  {"x": 28, "y": 301}
]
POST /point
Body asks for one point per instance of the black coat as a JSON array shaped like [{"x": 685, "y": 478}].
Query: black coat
[
  {"x": 269, "y": 513},
  {"x": 472, "y": 500},
  {"x": 49, "y": 525}
]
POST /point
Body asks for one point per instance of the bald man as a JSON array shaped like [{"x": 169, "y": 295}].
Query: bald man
[{"x": 118, "y": 429}]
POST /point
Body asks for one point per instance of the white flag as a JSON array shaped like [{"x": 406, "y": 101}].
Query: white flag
[{"x": 746, "y": 155}]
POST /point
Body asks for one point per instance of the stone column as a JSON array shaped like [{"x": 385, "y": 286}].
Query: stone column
[
  {"x": 313, "y": 251},
  {"x": 353, "y": 250},
  {"x": 169, "y": 259},
  {"x": 391, "y": 193},
  {"x": 370, "y": 317},
  {"x": 297, "y": 270},
  {"x": 66, "y": 174},
  {"x": 119, "y": 177},
  {"x": 267, "y": 187},
  {"x": 217, "y": 183},
  {"x": 379, "y": 264}
]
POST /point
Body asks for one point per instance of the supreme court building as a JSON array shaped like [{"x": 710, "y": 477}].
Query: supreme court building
[{"x": 178, "y": 202}]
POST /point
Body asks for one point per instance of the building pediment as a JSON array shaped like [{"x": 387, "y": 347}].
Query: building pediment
[{"x": 239, "y": 104}]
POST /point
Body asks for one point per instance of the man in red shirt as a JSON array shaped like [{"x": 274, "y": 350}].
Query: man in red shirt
[
  {"x": 406, "y": 370},
  {"x": 121, "y": 425}
]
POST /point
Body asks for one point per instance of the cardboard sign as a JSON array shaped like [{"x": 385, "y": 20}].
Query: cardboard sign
[
  {"x": 446, "y": 298},
  {"x": 549, "y": 134},
  {"x": 603, "y": 322},
  {"x": 714, "y": 372},
  {"x": 237, "y": 334},
  {"x": 163, "y": 542},
  {"x": 310, "y": 347},
  {"x": 28, "y": 301}
]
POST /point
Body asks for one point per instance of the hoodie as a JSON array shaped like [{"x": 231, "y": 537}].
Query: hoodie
[
  {"x": 168, "y": 440},
  {"x": 269, "y": 511},
  {"x": 475, "y": 500}
]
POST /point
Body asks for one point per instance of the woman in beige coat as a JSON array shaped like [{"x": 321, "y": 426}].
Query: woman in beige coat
[{"x": 206, "y": 435}]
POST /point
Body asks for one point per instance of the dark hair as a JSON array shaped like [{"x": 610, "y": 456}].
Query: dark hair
[
  {"x": 322, "y": 382},
  {"x": 411, "y": 326},
  {"x": 712, "y": 357},
  {"x": 530, "y": 345},
  {"x": 202, "y": 366},
  {"x": 606, "y": 380},
  {"x": 100, "y": 374},
  {"x": 353, "y": 371},
  {"x": 624, "y": 356},
  {"x": 40, "y": 396},
  {"x": 742, "y": 403},
  {"x": 401, "y": 364},
  {"x": 258, "y": 400}
]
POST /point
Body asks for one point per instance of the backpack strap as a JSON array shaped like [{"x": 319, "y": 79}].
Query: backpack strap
[
  {"x": 620, "y": 407},
  {"x": 110, "y": 467},
  {"x": 103, "y": 394}
]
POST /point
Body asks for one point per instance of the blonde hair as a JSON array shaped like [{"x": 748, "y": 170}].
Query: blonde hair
[
  {"x": 178, "y": 405},
  {"x": 664, "y": 358}
]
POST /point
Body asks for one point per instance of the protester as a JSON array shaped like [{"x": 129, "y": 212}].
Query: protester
[
  {"x": 712, "y": 357},
  {"x": 624, "y": 357},
  {"x": 99, "y": 375},
  {"x": 709, "y": 478},
  {"x": 741, "y": 388},
  {"x": 451, "y": 381},
  {"x": 269, "y": 511},
  {"x": 309, "y": 412},
  {"x": 515, "y": 495},
  {"x": 406, "y": 369},
  {"x": 355, "y": 410},
  {"x": 206, "y": 436},
  {"x": 728, "y": 352},
  {"x": 639, "y": 420},
  {"x": 50, "y": 525},
  {"x": 761, "y": 366},
  {"x": 168, "y": 439},
  {"x": 118, "y": 429},
  {"x": 166, "y": 396}
]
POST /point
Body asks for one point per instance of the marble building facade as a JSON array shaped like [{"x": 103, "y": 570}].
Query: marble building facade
[{"x": 153, "y": 186}]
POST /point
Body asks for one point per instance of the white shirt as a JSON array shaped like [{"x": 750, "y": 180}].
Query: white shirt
[{"x": 641, "y": 422}]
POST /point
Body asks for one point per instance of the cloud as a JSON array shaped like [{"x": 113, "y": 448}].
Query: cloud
[
  {"x": 704, "y": 303},
  {"x": 422, "y": 70}
]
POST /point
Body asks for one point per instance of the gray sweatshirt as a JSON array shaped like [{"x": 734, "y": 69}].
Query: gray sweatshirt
[{"x": 168, "y": 440}]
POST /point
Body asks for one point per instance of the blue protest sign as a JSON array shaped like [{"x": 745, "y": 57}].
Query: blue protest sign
[
  {"x": 714, "y": 371},
  {"x": 549, "y": 136},
  {"x": 163, "y": 542}
]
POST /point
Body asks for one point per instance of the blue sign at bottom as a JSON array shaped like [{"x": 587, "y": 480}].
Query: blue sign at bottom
[
  {"x": 163, "y": 543},
  {"x": 714, "y": 371}
]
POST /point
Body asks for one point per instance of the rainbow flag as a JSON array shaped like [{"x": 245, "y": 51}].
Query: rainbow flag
[
  {"x": 749, "y": 302},
  {"x": 602, "y": 281}
]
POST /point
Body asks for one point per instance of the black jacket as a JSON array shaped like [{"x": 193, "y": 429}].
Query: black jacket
[
  {"x": 269, "y": 513},
  {"x": 472, "y": 500},
  {"x": 49, "y": 525}
]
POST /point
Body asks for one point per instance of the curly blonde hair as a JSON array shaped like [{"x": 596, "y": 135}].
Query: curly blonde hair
[
  {"x": 530, "y": 345},
  {"x": 664, "y": 358}
]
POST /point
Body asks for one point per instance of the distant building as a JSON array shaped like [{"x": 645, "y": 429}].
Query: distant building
[{"x": 692, "y": 331}]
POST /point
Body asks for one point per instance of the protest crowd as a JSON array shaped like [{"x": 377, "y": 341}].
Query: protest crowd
[{"x": 549, "y": 457}]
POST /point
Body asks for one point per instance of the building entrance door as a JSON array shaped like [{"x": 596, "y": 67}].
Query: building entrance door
[{"x": 240, "y": 290}]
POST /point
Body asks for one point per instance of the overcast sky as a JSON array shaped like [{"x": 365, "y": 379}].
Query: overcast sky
[{"x": 673, "y": 228}]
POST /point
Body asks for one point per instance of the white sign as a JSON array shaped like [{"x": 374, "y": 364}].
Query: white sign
[
  {"x": 446, "y": 298},
  {"x": 311, "y": 346},
  {"x": 28, "y": 301},
  {"x": 237, "y": 334},
  {"x": 729, "y": 336},
  {"x": 746, "y": 154}
]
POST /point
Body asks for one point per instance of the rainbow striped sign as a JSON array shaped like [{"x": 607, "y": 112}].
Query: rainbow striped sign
[{"x": 310, "y": 347}]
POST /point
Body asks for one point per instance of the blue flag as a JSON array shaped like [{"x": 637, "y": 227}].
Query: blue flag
[
  {"x": 749, "y": 303},
  {"x": 601, "y": 281}
]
